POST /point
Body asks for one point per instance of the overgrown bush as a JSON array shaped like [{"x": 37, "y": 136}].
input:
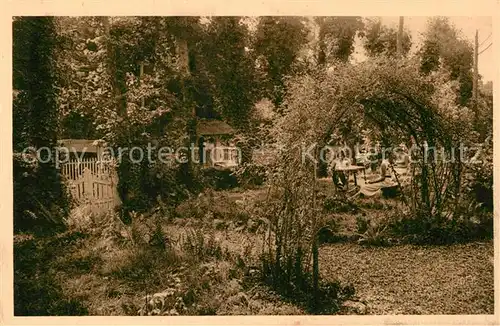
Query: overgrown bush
[
  {"x": 219, "y": 179},
  {"x": 219, "y": 211},
  {"x": 295, "y": 284},
  {"x": 41, "y": 200},
  {"x": 297, "y": 224},
  {"x": 338, "y": 204},
  {"x": 183, "y": 277},
  {"x": 328, "y": 233},
  {"x": 458, "y": 205},
  {"x": 143, "y": 186},
  {"x": 480, "y": 181},
  {"x": 373, "y": 232},
  {"x": 36, "y": 292},
  {"x": 196, "y": 245},
  {"x": 251, "y": 174},
  {"x": 470, "y": 226}
]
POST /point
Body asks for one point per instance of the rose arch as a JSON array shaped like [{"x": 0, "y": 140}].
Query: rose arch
[{"x": 395, "y": 100}]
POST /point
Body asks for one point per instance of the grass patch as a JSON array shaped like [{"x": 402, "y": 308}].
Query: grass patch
[{"x": 37, "y": 291}]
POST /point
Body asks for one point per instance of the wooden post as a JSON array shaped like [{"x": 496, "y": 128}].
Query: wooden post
[
  {"x": 88, "y": 184},
  {"x": 183, "y": 52},
  {"x": 475, "y": 80},
  {"x": 399, "y": 44},
  {"x": 216, "y": 150},
  {"x": 315, "y": 252},
  {"x": 111, "y": 68}
]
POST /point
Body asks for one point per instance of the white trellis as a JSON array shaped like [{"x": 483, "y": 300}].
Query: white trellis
[{"x": 92, "y": 184}]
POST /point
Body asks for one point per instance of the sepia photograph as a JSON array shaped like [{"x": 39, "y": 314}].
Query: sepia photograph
[{"x": 252, "y": 165}]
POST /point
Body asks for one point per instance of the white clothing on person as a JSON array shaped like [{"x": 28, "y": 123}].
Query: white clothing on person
[{"x": 372, "y": 189}]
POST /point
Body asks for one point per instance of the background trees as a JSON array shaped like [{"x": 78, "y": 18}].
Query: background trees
[
  {"x": 382, "y": 40},
  {"x": 289, "y": 81},
  {"x": 336, "y": 36},
  {"x": 278, "y": 41},
  {"x": 226, "y": 57},
  {"x": 444, "y": 46},
  {"x": 232, "y": 62},
  {"x": 34, "y": 78}
]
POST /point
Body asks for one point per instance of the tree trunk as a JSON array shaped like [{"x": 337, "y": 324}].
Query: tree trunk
[
  {"x": 183, "y": 52},
  {"x": 111, "y": 65},
  {"x": 315, "y": 269},
  {"x": 315, "y": 252}
]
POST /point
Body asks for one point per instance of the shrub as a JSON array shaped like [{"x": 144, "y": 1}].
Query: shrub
[
  {"x": 143, "y": 186},
  {"x": 362, "y": 224},
  {"x": 375, "y": 234},
  {"x": 443, "y": 206},
  {"x": 219, "y": 179},
  {"x": 470, "y": 223},
  {"x": 36, "y": 292},
  {"x": 328, "y": 233},
  {"x": 337, "y": 204},
  {"x": 480, "y": 181},
  {"x": 41, "y": 200},
  {"x": 197, "y": 246},
  {"x": 459, "y": 204},
  {"x": 296, "y": 285},
  {"x": 251, "y": 174}
]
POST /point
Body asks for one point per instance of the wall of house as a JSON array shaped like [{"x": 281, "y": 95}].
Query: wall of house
[{"x": 219, "y": 151}]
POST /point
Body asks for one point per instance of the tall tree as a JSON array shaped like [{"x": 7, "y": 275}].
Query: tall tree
[
  {"x": 278, "y": 42},
  {"x": 336, "y": 37},
  {"x": 444, "y": 46},
  {"x": 81, "y": 59},
  {"x": 382, "y": 40},
  {"x": 227, "y": 58},
  {"x": 33, "y": 75}
]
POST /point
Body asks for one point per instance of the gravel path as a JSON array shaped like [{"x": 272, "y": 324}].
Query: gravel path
[{"x": 408, "y": 279}]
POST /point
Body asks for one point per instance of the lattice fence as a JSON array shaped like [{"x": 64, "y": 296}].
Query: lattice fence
[{"x": 92, "y": 183}]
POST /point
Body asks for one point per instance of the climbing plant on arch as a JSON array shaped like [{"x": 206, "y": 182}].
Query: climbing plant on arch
[{"x": 387, "y": 94}]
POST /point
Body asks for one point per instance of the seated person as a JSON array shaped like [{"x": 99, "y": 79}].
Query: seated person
[
  {"x": 338, "y": 177},
  {"x": 403, "y": 167},
  {"x": 374, "y": 187},
  {"x": 404, "y": 160},
  {"x": 374, "y": 161}
]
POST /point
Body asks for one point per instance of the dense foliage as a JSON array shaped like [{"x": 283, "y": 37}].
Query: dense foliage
[
  {"x": 278, "y": 42},
  {"x": 288, "y": 87},
  {"x": 394, "y": 97},
  {"x": 382, "y": 40},
  {"x": 134, "y": 81},
  {"x": 444, "y": 46},
  {"x": 39, "y": 195},
  {"x": 336, "y": 37}
]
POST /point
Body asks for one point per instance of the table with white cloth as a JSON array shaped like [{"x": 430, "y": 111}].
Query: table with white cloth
[{"x": 352, "y": 169}]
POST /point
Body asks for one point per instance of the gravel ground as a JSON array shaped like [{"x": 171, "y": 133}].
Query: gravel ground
[
  {"x": 409, "y": 279},
  {"x": 405, "y": 279}
]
